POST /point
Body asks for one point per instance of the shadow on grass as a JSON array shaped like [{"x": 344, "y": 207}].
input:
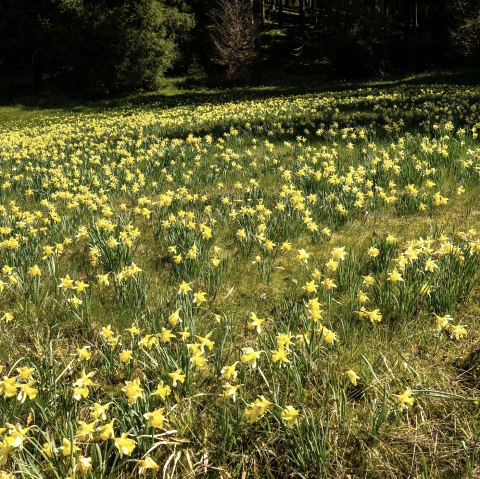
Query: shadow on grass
[{"x": 175, "y": 93}]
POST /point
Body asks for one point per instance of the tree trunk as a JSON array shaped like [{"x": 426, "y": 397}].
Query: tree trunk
[
  {"x": 259, "y": 10},
  {"x": 301, "y": 16}
]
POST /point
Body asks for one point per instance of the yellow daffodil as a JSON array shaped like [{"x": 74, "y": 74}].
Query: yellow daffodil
[
  {"x": 125, "y": 445},
  {"x": 290, "y": 415}
]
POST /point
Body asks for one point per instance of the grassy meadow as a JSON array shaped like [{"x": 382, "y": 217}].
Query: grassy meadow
[{"x": 243, "y": 284}]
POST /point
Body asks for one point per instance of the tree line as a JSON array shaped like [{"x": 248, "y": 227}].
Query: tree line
[{"x": 124, "y": 45}]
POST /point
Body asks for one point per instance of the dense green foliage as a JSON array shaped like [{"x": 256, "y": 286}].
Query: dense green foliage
[
  {"x": 108, "y": 45},
  {"x": 111, "y": 46}
]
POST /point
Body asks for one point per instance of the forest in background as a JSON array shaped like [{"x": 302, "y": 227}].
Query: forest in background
[{"x": 107, "y": 46}]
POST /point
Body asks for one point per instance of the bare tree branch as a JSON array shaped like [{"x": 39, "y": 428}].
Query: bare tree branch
[{"x": 235, "y": 37}]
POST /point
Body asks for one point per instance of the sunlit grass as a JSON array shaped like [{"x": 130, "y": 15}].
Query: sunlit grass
[{"x": 243, "y": 287}]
